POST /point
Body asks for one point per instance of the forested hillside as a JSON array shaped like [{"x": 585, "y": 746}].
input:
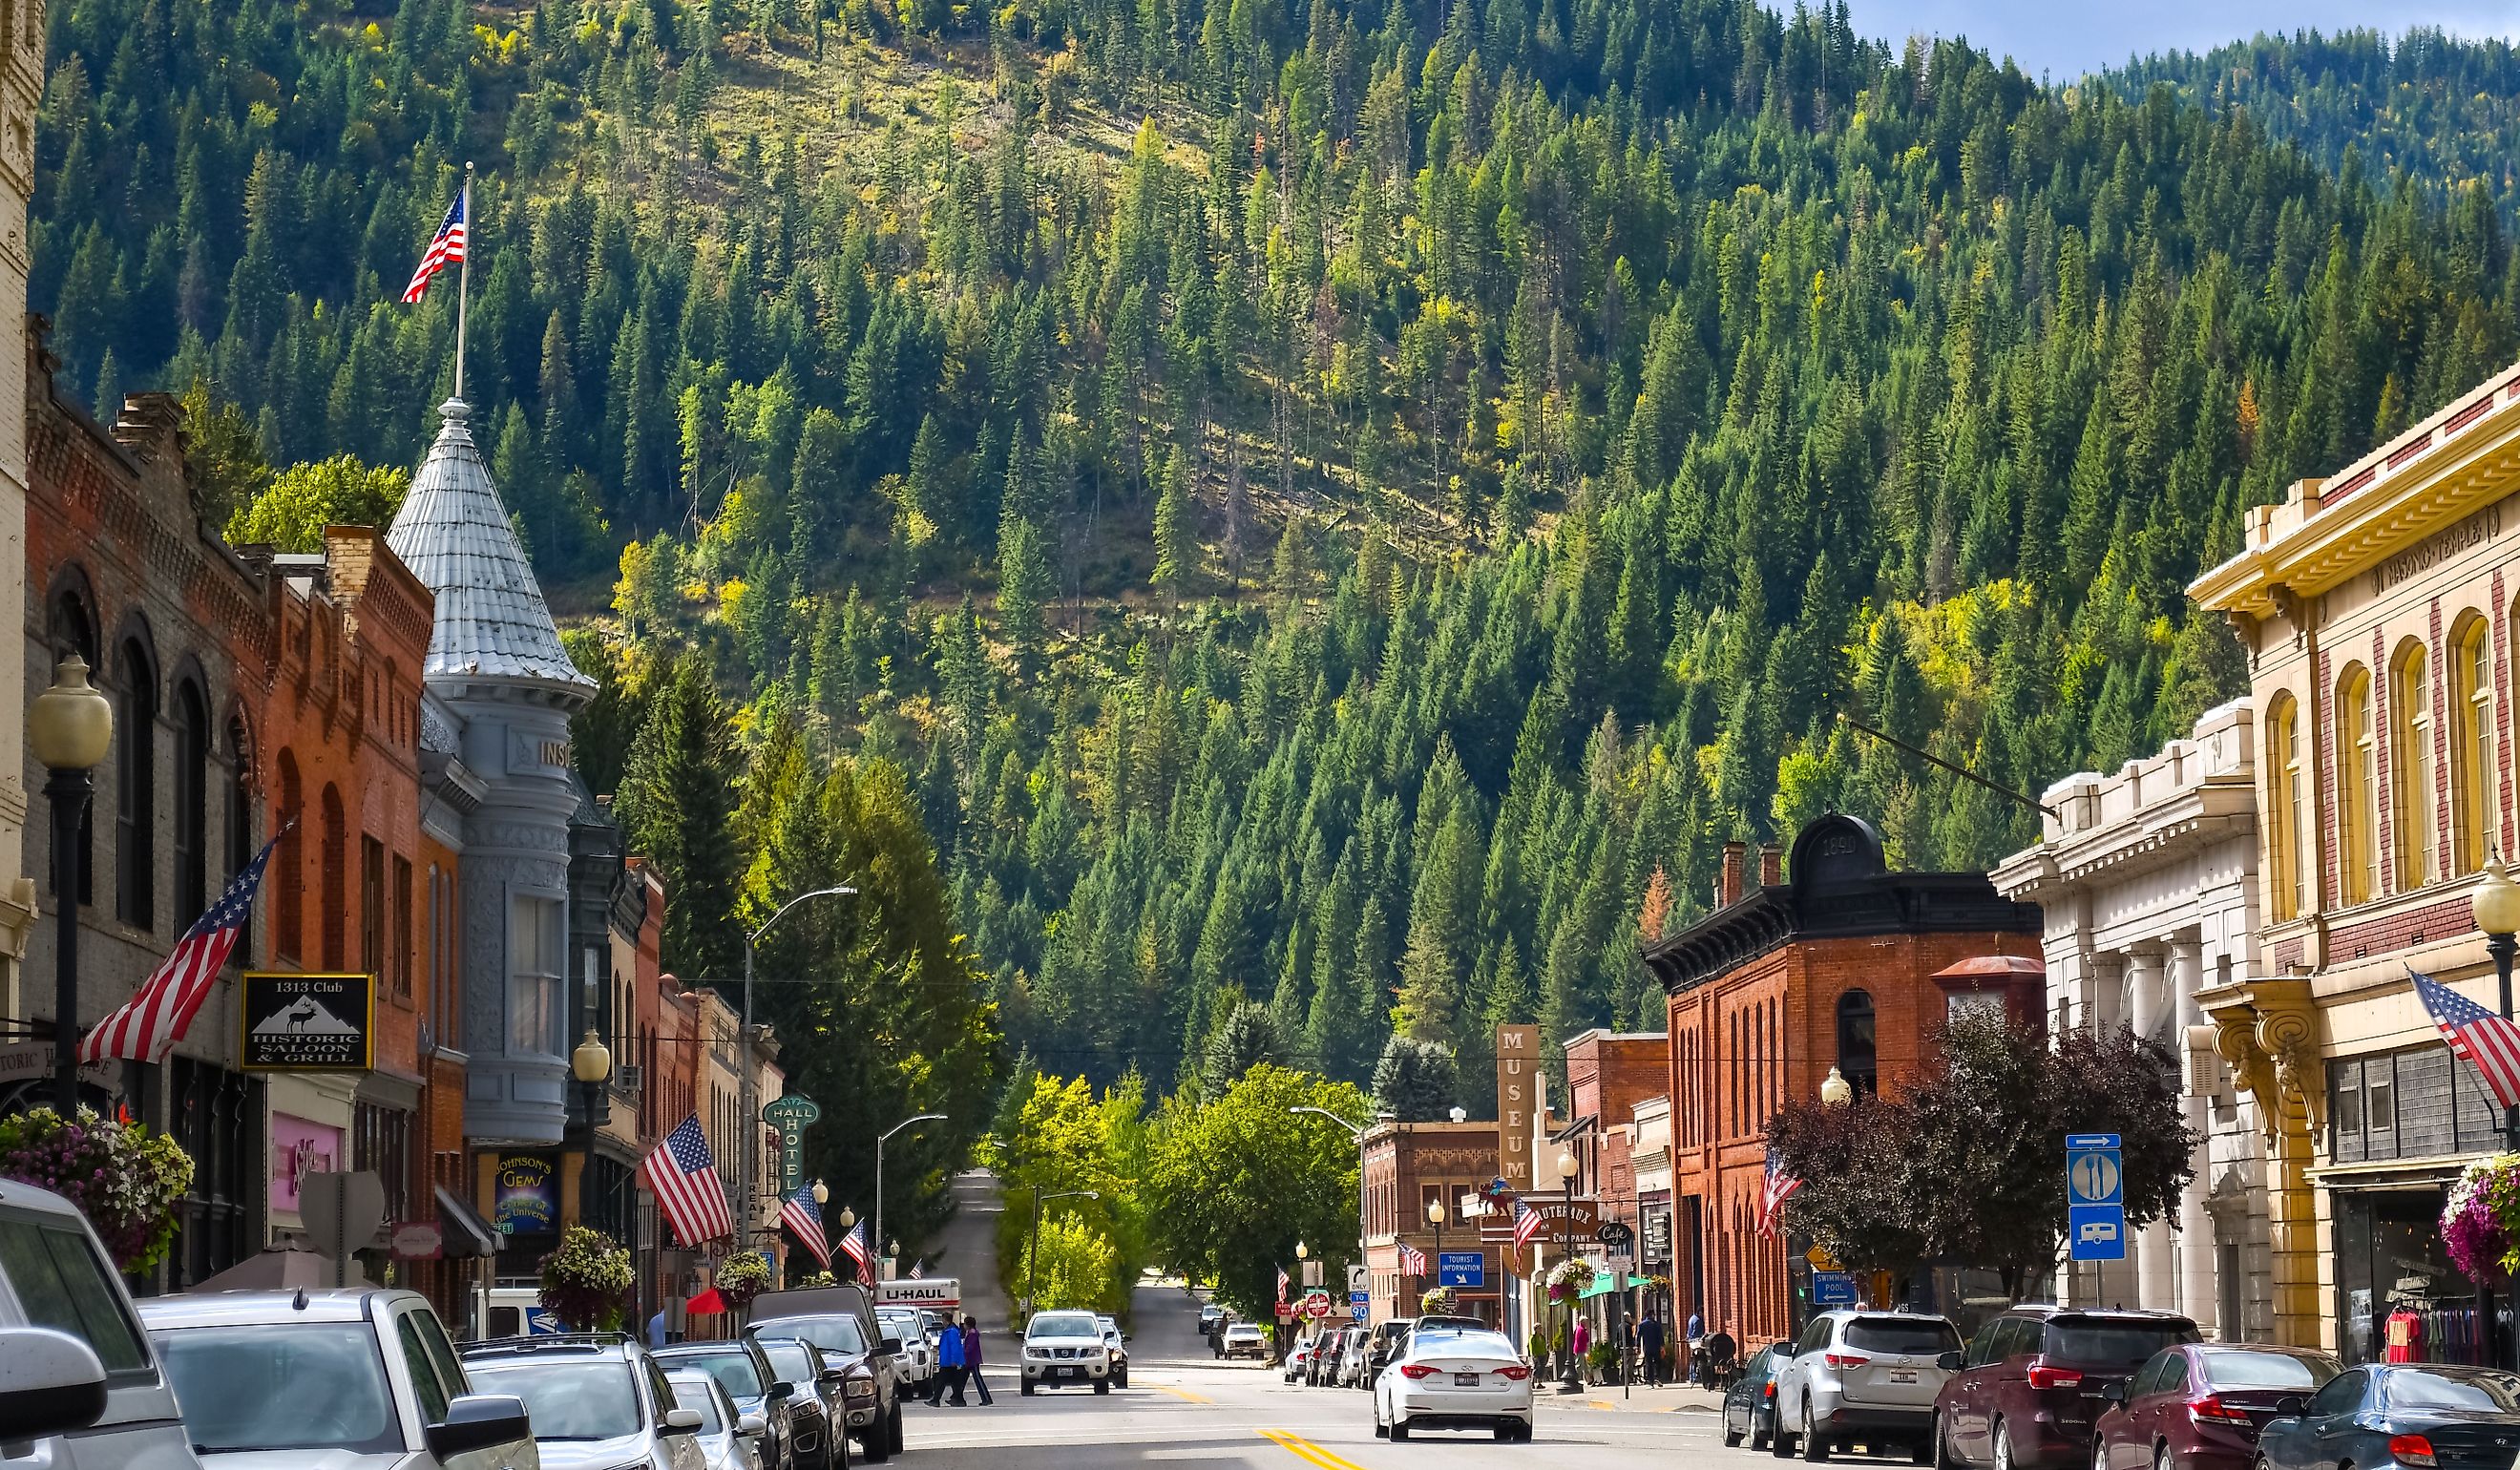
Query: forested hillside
[{"x": 1337, "y": 510}]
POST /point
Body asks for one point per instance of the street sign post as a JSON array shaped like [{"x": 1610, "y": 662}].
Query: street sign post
[
  {"x": 1461, "y": 1268},
  {"x": 2095, "y": 1198},
  {"x": 1833, "y": 1288}
]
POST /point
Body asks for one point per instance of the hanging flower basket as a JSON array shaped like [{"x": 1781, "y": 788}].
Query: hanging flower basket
[
  {"x": 124, "y": 1179},
  {"x": 818, "y": 1279},
  {"x": 2480, "y": 1224},
  {"x": 1570, "y": 1279},
  {"x": 1443, "y": 1301},
  {"x": 740, "y": 1277},
  {"x": 587, "y": 1281}
]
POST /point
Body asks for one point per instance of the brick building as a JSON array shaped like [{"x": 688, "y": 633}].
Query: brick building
[
  {"x": 1612, "y": 1080},
  {"x": 1831, "y": 963},
  {"x": 1406, "y": 1168}
]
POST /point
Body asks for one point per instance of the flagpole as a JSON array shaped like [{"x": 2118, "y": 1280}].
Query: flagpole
[{"x": 464, "y": 282}]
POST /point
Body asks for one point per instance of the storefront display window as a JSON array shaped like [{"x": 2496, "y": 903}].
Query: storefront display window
[{"x": 2398, "y": 1297}]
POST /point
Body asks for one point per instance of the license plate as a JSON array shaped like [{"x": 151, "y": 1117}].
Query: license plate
[
  {"x": 1068, "y": 1372},
  {"x": 1902, "y": 1375},
  {"x": 1466, "y": 1380}
]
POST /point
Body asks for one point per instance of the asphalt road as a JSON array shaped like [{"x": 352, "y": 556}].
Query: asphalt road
[{"x": 1184, "y": 1409}]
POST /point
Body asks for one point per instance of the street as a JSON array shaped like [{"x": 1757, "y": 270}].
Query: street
[{"x": 1183, "y": 1407}]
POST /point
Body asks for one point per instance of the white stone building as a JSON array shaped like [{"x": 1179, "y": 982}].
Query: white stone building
[{"x": 2148, "y": 878}]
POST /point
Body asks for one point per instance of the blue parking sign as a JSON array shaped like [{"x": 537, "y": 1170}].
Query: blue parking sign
[
  {"x": 2095, "y": 1198},
  {"x": 2095, "y": 1233}
]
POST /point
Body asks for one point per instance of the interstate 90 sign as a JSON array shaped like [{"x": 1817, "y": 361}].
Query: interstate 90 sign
[{"x": 306, "y": 1023}]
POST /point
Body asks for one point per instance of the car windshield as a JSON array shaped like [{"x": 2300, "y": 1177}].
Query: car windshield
[
  {"x": 2483, "y": 1390},
  {"x": 566, "y": 1398},
  {"x": 1239, "y": 1329},
  {"x": 2243, "y": 1368},
  {"x": 691, "y": 1391},
  {"x": 788, "y": 1361},
  {"x": 2103, "y": 1340},
  {"x": 831, "y": 1334},
  {"x": 294, "y": 1386},
  {"x": 1062, "y": 1324},
  {"x": 1902, "y": 1334},
  {"x": 733, "y": 1369}
]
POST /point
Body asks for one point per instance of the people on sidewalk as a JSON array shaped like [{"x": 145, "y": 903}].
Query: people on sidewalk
[
  {"x": 970, "y": 1333},
  {"x": 1649, "y": 1346},
  {"x": 949, "y": 1369}
]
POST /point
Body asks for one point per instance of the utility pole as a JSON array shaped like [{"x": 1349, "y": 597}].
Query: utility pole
[
  {"x": 749, "y": 1192},
  {"x": 880, "y": 1236}
]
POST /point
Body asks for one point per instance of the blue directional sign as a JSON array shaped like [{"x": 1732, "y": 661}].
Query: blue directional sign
[
  {"x": 1833, "y": 1288},
  {"x": 1357, "y": 1310},
  {"x": 1461, "y": 1268},
  {"x": 1357, "y": 1299},
  {"x": 2095, "y": 1198}
]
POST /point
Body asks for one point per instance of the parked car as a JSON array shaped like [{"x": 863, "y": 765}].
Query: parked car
[
  {"x": 1322, "y": 1371},
  {"x": 2408, "y": 1414},
  {"x": 336, "y": 1378},
  {"x": 917, "y": 1349},
  {"x": 1387, "y": 1338},
  {"x": 793, "y": 1430},
  {"x": 823, "y": 1377},
  {"x": 598, "y": 1400},
  {"x": 2025, "y": 1393},
  {"x": 1352, "y": 1360},
  {"x": 1116, "y": 1343},
  {"x": 1245, "y": 1340},
  {"x": 729, "y": 1439},
  {"x": 1211, "y": 1319},
  {"x": 1065, "y": 1346},
  {"x": 79, "y": 1387},
  {"x": 1856, "y": 1375},
  {"x": 841, "y": 1320},
  {"x": 1750, "y": 1403},
  {"x": 2200, "y": 1406},
  {"x": 1454, "y": 1379},
  {"x": 1298, "y": 1357}
]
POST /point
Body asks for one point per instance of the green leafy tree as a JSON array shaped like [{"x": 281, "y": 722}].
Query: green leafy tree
[
  {"x": 1415, "y": 1081},
  {"x": 1233, "y": 1182},
  {"x": 291, "y": 512}
]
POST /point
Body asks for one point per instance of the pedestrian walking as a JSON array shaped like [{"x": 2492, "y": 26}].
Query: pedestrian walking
[
  {"x": 1649, "y": 1344},
  {"x": 1581, "y": 1344},
  {"x": 971, "y": 1333},
  {"x": 949, "y": 1369}
]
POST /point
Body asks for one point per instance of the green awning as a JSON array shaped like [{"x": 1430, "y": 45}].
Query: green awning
[{"x": 1604, "y": 1283}]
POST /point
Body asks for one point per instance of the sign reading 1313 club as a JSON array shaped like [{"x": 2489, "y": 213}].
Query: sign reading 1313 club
[{"x": 307, "y": 1023}]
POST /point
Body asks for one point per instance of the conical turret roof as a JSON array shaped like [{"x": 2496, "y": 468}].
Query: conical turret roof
[{"x": 453, "y": 533}]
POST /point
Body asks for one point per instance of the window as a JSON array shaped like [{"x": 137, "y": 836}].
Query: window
[
  {"x": 239, "y": 822},
  {"x": 332, "y": 904},
  {"x": 2357, "y": 761},
  {"x": 2288, "y": 890},
  {"x": 537, "y": 955},
  {"x": 2474, "y": 798},
  {"x": 192, "y": 802},
  {"x": 135, "y": 788},
  {"x": 2342, "y": 1396},
  {"x": 2410, "y": 738},
  {"x": 423, "y": 1370},
  {"x": 398, "y": 953},
  {"x": 61, "y": 1283},
  {"x": 1855, "y": 1053},
  {"x": 371, "y": 906},
  {"x": 289, "y": 863}
]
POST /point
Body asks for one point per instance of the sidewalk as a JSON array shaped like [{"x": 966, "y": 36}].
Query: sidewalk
[{"x": 1668, "y": 1399}]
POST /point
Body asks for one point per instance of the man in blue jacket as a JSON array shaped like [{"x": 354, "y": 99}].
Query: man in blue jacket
[{"x": 949, "y": 1369}]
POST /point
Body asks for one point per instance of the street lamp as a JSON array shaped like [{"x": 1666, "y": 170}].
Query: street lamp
[
  {"x": 879, "y": 1168},
  {"x": 2495, "y": 905},
  {"x": 1835, "y": 1089},
  {"x": 69, "y": 731},
  {"x": 1356, "y": 1132},
  {"x": 592, "y": 1065},
  {"x": 1033, "y": 1251},
  {"x": 1567, "y": 1169},
  {"x": 751, "y": 1107},
  {"x": 823, "y": 1195},
  {"x": 1301, "y": 1253},
  {"x": 1435, "y": 1217}
]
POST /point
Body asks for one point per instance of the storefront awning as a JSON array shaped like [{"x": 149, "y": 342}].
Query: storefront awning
[
  {"x": 2437, "y": 1172},
  {"x": 461, "y": 1232}
]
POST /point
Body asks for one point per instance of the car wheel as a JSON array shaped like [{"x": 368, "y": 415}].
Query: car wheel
[
  {"x": 2161, "y": 1458},
  {"x": 877, "y": 1443},
  {"x": 1399, "y": 1431},
  {"x": 1102, "y": 1385},
  {"x": 1759, "y": 1437},
  {"x": 2002, "y": 1446},
  {"x": 1731, "y": 1435},
  {"x": 1027, "y": 1388},
  {"x": 892, "y": 1432},
  {"x": 1779, "y": 1443},
  {"x": 1814, "y": 1442}
]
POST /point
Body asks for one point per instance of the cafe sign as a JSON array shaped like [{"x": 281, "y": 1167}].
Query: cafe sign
[{"x": 306, "y": 1023}]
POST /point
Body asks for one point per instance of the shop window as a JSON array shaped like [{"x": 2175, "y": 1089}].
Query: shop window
[
  {"x": 2357, "y": 761},
  {"x": 1856, "y": 1062},
  {"x": 2412, "y": 769},
  {"x": 2474, "y": 798},
  {"x": 538, "y": 954},
  {"x": 2288, "y": 890}
]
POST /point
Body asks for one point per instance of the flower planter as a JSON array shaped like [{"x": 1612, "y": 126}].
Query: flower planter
[
  {"x": 124, "y": 1179},
  {"x": 587, "y": 1281},
  {"x": 2480, "y": 1224}
]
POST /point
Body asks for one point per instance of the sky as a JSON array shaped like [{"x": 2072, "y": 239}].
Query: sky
[{"x": 2068, "y": 37}]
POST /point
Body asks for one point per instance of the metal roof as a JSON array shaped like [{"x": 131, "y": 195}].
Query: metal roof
[{"x": 453, "y": 533}]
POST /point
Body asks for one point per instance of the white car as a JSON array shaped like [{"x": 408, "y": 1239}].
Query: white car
[
  {"x": 1454, "y": 1378},
  {"x": 1245, "y": 1340},
  {"x": 1065, "y": 1346},
  {"x": 1116, "y": 1343},
  {"x": 917, "y": 1349},
  {"x": 729, "y": 1439},
  {"x": 359, "y": 1379},
  {"x": 1861, "y": 1376}
]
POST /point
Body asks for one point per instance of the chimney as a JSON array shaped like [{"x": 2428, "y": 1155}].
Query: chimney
[
  {"x": 1772, "y": 864},
  {"x": 1727, "y": 890}
]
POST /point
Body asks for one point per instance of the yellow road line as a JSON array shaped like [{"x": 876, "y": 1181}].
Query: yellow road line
[
  {"x": 1185, "y": 1394},
  {"x": 1305, "y": 1449}
]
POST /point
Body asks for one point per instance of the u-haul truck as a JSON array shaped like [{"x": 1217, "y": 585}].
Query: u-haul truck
[{"x": 933, "y": 1293}]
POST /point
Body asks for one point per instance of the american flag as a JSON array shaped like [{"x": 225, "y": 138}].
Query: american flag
[
  {"x": 2488, "y": 1040},
  {"x": 1282, "y": 1286},
  {"x": 155, "y": 1016},
  {"x": 1413, "y": 1260},
  {"x": 854, "y": 1243},
  {"x": 684, "y": 1176},
  {"x": 443, "y": 251},
  {"x": 1779, "y": 1188},
  {"x": 917, "y": 1268},
  {"x": 804, "y": 1221},
  {"x": 1528, "y": 1223}
]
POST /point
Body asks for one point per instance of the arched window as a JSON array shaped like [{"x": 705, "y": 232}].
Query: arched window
[
  {"x": 1856, "y": 1062},
  {"x": 135, "y": 786},
  {"x": 336, "y": 881},
  {"x": 2411, "y": 767},
  {"x": 287, "y": 875},
  {"x": 240, "y": 820},
  {"x": 2475, "y": 798},
  {"x": 192, "y": 801},
  {"x": 2285, "y": 867},
  {"x": 2358, "y": 768}
]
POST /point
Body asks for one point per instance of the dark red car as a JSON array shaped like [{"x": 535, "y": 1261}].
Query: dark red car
[
  {"x": 2024, "y": 1394},
  {"x": 2199, "y": 1406}
]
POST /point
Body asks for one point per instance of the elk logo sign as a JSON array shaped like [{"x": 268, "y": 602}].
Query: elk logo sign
[{"x": 307, "y": 1023}]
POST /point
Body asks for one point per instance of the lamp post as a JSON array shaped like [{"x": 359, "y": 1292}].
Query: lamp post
[
  {"x": 823, "y": 1195},
  {"x": 752, "y": 1186},
  {"x": 1435, "y": 1217},
  {"x": 1835, "y": 1089},
  {"x": 1356, "y": 1132},
  {"x": 69, "y": 731},
  {"x": 2497, "y": 907},
  {"x": 1033, "y": 1251},
  {"x": 879, "y": 1170},
  {"x": 592, "y": 1065},
  {"x": 1567, "y": 1169}
]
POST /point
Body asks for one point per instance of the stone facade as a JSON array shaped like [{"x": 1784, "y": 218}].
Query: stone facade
[
  {"x": 2148, "y": 881},
  {"x": 22, "y": 85}
]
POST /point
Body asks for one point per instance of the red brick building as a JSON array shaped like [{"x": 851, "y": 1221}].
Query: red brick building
[
  {"x": 1608, "y": 1075},
  {"x": 1828, "y": 963},
  {"x": 1408, "y": 1167}
]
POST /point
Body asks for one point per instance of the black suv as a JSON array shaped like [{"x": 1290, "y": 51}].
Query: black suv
[
  {"x": 841, "y": 1320},
  {"x": 799, "y": 1437}
]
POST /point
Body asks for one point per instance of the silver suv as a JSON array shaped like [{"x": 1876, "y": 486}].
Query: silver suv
[
  {"x": 1865, "y": 1377},
  {"x": 79, "y": 1388},
  {"x": 598, "y": 1401}
]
